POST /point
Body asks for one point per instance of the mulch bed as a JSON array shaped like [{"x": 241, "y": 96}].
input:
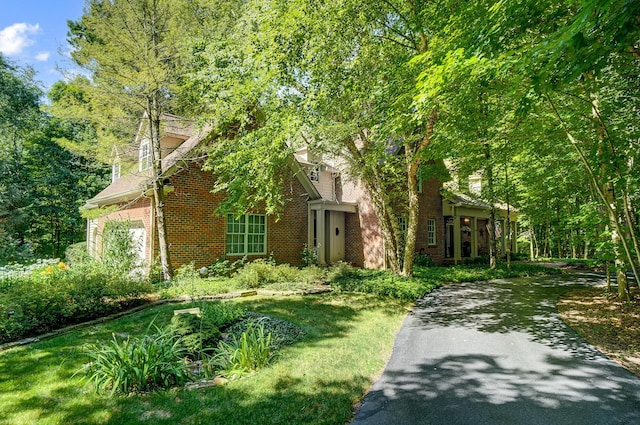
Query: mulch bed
[{"x": 610, "y": 325}]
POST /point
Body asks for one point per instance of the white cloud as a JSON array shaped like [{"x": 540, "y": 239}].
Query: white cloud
[
  {"x": 43, "y": 56},
  {"x": 15, "y": 38}
]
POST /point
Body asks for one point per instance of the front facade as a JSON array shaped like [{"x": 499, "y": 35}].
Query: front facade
[{"x": 324, "y": 211}]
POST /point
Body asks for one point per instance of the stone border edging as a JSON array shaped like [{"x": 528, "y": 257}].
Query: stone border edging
[{"x": 224, "y": 296}]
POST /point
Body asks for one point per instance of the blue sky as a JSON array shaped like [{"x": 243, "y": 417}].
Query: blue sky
[{"x": 33, "y": 32}]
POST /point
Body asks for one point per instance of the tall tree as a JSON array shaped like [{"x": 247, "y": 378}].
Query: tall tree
[
  {"x": 341, "y": 76},
  {"x": 132, "y": 49},
  {"x": 20, "y": 118}
]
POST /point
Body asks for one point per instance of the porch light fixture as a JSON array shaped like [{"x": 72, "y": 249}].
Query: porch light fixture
[{"x": 466, "y": 220}]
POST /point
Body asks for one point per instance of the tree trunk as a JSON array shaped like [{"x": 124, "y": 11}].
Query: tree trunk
[
  {"x": 620, "y": 260},
  {"x": 531, "y": 242},
  {"x": 587, "y": 243},
  {"x": 412, "y": 224},
  {"x": 492, "y": 209},
  {"x": 158, "y": 190}
]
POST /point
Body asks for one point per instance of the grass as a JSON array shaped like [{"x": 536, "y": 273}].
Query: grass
[
  {"x": 348, "y": 338},
  {"x": 605, "y": 322}
]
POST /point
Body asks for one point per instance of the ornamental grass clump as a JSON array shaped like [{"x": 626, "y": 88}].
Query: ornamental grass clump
[
  {"x": 239, "y": 356},
  {"x": 137, "y": 365}
]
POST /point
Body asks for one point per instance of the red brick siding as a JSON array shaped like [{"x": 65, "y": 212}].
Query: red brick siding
[
  {"x": 197, "y": 233},
  {"x": 364, "y": 245},
  {"x": 431, "y": 207},
  {"x": 136, "y": 211}
]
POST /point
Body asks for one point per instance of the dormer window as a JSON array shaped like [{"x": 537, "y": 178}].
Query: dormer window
[
  {"x": 475, "y": 184},
  {"x": 115, "y": 169},
  {"x": 144, "y": 155},
  {"x": 314, "y": 173}
]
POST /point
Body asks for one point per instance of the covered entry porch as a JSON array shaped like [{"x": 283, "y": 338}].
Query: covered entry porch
[
  {"x": 467, "y": 227},
  {"x": 327, "y": 229}
]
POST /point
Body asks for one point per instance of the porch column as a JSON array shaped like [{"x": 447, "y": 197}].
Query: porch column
[
  {"x": 320, "y": 236},
  {"x": 457, "y": 248},
  {"x": 310, "y": 214},
  {"x": 474, "y": 237}
]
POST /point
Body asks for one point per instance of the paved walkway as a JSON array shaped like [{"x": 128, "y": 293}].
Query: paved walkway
[{"x": 498, "y": 353}]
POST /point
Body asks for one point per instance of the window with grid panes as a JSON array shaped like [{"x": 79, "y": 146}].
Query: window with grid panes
[
  {"x": 246, "y": 235},
  {"x": 431, "y": 231},
  {"x": 144, "y": 155}
]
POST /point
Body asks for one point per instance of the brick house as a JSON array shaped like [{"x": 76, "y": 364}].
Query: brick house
[{"x": 324, "y": 209}]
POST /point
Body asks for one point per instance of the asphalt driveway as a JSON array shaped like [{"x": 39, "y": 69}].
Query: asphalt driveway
[{"x": 498, "y": 353}]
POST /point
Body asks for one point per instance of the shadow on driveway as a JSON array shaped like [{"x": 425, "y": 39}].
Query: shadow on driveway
[{"x": 498, "y": 353}]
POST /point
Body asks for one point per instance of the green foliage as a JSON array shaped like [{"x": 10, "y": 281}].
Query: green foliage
[
  {"x": 222, "y": 314},
  {"x": 196, "y": 288},
  {"x": 137, "y": 365},
  {"x": 119, "y": 252},
  {"x": 196, "y": 334},
  {"x": 422, "y": 260},
  {"x": 262, "y": 272},
  {"x": 425, "y": 279},
  {"x": 360, "y": 328},
  {"x": 309, "y": 256},
  {"x": 224, "y": 267},
  {"x": 382, "y": 283},
  {"x": 52, "y": 296},
  {"x": 245, "y": 354},
  {"x": 13, "y": 250},
  {"x": 42, "y": 184},
  {"x": 77, "y": 253},
  {"x": 200, "y": 333}
]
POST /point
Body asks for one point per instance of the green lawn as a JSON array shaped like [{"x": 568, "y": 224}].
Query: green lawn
[{"x": 317, "y": 380}]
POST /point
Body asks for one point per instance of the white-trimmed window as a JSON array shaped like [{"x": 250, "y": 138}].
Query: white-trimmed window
[
  {"x": 314, "y": 173},
  {"x": 144, "y": 155},
  {"x": 431, "y": 231},
  {"x": 115, "y": 169},
  {"x": 247, "y": 234}
]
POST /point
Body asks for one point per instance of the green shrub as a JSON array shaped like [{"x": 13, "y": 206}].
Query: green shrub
[
  {"x": 263, "y": 272},
  {"x": 381, "y": 283},
  {"x": 222, "y": 314},
  {"x": 422, "y": 260},
  {"x": 200, "y": 333},
  {"x": 309, "y": 256},
  {"x": 482, "y": 259},
  {"x": 119, "y": 252},
  {"x": 196, "y": 335},
  {"x": 76, "y": 253},
  {"x": 245, "y": 354},
  {"x": 14, "y": 251},
  {"x": 137, "y": 365},
  {"x": 55, "y": 295},
  {"x": 225, "y": 268}
]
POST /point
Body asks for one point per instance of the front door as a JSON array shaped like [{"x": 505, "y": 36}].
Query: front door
[{"x": 334, "y": 236}]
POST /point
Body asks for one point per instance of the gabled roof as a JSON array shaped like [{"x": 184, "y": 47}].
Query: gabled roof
[
  {"x": 132, "y": 186},
  {"x": 463, "y": 199}
]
